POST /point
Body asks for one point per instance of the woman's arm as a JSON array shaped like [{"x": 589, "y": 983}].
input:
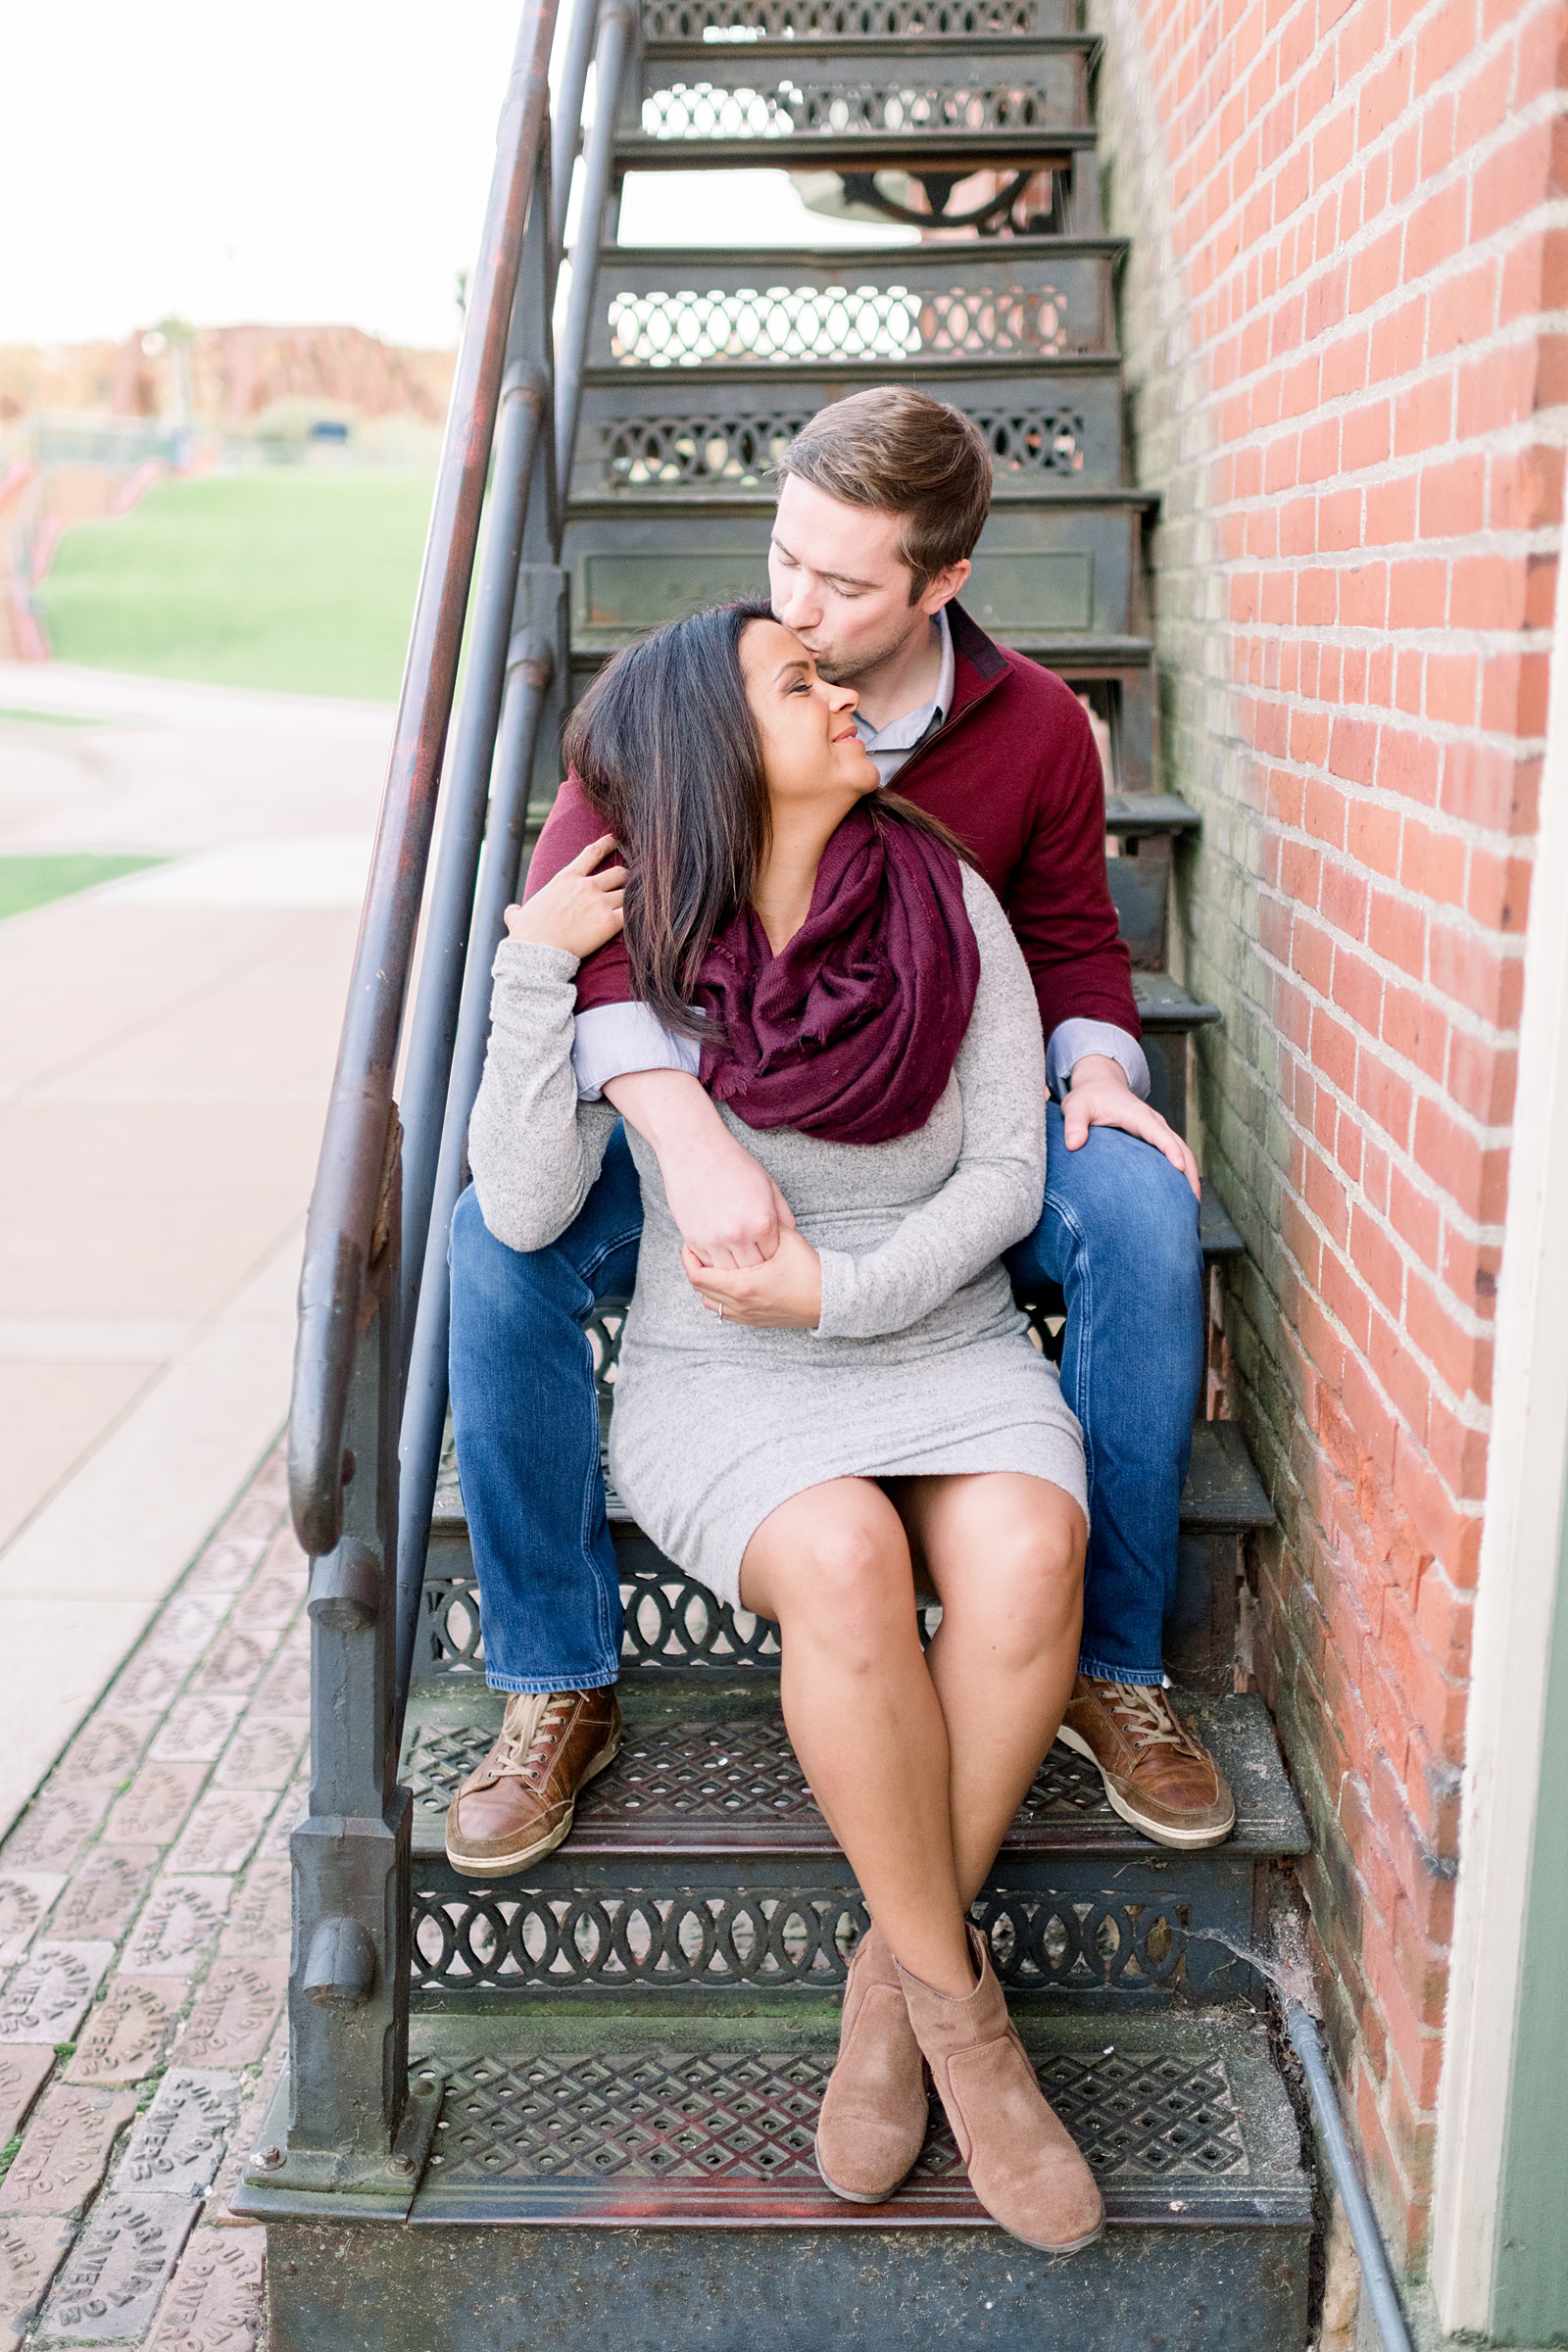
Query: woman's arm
[
  {"x": 995, "y": 1194},
  {"x": 992, "y": 1198},
  {"x": 534, "y": 1150}
]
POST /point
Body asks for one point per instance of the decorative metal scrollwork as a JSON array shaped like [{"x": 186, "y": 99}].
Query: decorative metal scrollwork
[
  {"x": 519, "y": 1937},
  {"x": 831, "y": 325},
  {"x": 721, "y": 21},
  {"x": 838, "y": 108},
  {"x": 738, "y": 453}
]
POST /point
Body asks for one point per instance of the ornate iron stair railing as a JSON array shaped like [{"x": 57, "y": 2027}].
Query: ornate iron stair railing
[{"x": 369, "y": 1376}]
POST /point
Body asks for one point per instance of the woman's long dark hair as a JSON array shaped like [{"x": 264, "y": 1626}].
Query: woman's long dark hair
[{"x": 665, "y": 745}]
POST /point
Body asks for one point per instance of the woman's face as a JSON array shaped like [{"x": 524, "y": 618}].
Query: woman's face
[{"x": 811, "y": 755}]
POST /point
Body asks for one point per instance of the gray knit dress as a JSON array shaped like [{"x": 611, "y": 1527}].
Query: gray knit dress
[{"x": 921, "y": 1362}]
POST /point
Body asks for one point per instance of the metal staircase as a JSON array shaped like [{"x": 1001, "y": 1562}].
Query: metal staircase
[{"x": 577, "y": 2106}]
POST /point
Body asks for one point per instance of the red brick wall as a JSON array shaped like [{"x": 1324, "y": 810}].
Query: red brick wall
[{"x": 1348, "y": 244}]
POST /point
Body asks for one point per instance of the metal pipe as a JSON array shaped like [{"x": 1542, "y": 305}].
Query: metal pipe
[
  {"x": 568, "y": 113},
  {"x": 1307, "y": 2044},
  {"x": 524, "y": 398},
  {"x": 348, "y": 1189},
  {"x": 610, "y": 59},
  {"x": 528, "y": 676}
]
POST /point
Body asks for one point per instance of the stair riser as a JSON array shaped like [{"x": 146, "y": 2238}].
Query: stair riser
[
  {"x": 846, "y": 19},
  {"x": 727, "y": 91},
  {"x": 1038, "y": 566},
  {"x": 709, "y": 439},
  {"x": 406, "y": 2288},
  {"x": 945, "y": 305},
  {"x": 729, "y": 1927}
]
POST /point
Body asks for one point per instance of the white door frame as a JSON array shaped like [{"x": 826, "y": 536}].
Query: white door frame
[{"x": 1527, "y": 1472}]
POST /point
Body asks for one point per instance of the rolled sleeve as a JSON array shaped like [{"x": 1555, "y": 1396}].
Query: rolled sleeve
[
  {"x": 612, "y": 1040},
  {"x": 1071, "y": 1041}
]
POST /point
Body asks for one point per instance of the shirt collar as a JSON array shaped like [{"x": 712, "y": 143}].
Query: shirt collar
[{"x": 902, "y": 734}]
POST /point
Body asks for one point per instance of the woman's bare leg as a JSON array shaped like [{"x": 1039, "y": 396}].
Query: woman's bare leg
[
  {"x": 1004, "y": 1555},
  {"x": 831, "y": 1567}
]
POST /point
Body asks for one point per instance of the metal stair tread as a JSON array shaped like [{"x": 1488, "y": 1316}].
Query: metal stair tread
[
  {"x": 1223, "y": 1489},
  {"x": 788, "y": 48},
  {"x": 837, "y": 258},
  {"x": 708, "y": 2121},
  {"x": 1163, "y": 1003},
  {"x": 650, "y": 506},
  {"x": 1216, "y": 1232},
  {"x": 1130, "y": 815},
  {"x": 980, "y": 150},
  {"x": 708, "y": 1769}
]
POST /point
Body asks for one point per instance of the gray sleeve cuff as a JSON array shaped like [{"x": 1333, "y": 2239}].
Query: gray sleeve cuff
[
  {"x": 1070, "y": 1041},
  {"x": 613, "y": 1040}
]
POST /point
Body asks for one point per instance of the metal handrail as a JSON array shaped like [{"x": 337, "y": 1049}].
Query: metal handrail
[{"x": 353, "y": 1193}]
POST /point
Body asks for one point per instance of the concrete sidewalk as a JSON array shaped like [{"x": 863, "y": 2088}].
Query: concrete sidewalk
[{"x": 165, "y": 1047}]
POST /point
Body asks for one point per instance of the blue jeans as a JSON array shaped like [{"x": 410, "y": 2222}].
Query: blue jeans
[{"x": 1119, "y": 1232}]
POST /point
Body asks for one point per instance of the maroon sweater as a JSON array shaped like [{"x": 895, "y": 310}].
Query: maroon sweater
[{"x": 1015, "y": 772}]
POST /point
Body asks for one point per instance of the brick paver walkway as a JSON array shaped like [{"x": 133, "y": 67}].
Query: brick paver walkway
[{"x": 144, "y": 1921}]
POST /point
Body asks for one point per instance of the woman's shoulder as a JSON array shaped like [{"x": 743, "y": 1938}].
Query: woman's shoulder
[{"x": 984, "y": 910}]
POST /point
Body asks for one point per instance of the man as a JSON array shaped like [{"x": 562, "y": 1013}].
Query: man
[{"x": 882, "y": 501}]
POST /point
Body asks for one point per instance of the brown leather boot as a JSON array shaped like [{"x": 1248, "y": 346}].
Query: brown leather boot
[
  {"x": 1156, "y": 1775},
  {"x": 519, "y": 1802},
  {"x": 1023, "y": 2165},
  {"x": 874, "y": 2111}
]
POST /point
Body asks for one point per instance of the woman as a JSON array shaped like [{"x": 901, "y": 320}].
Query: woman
[{"x": 813, "y": 1438}]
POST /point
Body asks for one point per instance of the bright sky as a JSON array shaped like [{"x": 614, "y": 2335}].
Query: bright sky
[{"x": 313, "y": 161}]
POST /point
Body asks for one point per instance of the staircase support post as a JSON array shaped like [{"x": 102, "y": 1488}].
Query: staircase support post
[{"x": 343, "y": 2122}]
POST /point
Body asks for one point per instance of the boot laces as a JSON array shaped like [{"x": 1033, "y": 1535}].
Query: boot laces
[
  {"x": 1147, "y": 1716},
  {"x": 530, "y": 1734}
]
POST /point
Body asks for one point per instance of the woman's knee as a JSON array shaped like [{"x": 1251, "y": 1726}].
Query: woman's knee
[
  {"x": 1027, "y": 1585},
  {"x": 848, "y": 1583}
]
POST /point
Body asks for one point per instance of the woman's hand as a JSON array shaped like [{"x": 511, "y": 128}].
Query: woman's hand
[
  {"x": 577, "y": 909},
  {"x": 783, "y": 1294}
]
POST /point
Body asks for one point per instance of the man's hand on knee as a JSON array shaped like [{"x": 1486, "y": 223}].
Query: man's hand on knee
[
  {"x": 727, "y": 1208},
  {"x": 1101, "y": 1096}
]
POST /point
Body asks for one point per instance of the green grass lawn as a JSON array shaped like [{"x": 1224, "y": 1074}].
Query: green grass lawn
[
  {"x": 295, "y": 579},
  {"x": 33, "y": 881}
]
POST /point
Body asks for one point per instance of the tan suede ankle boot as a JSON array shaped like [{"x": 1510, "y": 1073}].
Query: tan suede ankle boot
[
  {"x": 874, "y": 2111},
  {"x": 1023, "y": 2165}
]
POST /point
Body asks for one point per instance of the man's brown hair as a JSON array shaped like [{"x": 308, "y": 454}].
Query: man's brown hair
[{"x": 902, "y": 452}]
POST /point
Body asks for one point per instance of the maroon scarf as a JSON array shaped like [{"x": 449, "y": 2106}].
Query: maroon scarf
[{"x": 852, "y": 1033}]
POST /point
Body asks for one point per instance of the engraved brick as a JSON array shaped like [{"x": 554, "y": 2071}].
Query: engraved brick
[
  {"x": 30, "y": 2253},
  {"x": 115, "y": 2278},
  {"x": 65, "y": 2149},
  {"x": 146, "y": 1686},
  {"x": 106, "y": 1751},
  {"x": 274, "y": 1600},
  {"x": 25, "y": 2069},
  {"x": 197, "y": 1729},
  {"x": 178, "y": 2144},
  {"x": 286, "y": 1688},
  {"x": 55, "y": 1828},
  {"x": 246, "y": 2136},
  {"x": 236, "y": 1660},
  {"x": 185, "y": 1630},
  {"x": 213, "y": 2301},
  {"x": 259, "y": 1917},
  {"x": 227, "y": 1564},
  {"x": 124, "y": 2037},
  {"x": 25, "y": 1899},
  {"x": 233, "y": 2013},
  {"x": 261, "y": 1754},
  {"x": 105, "y": 1890},
  {"x": 223, "y": 1829},
  {"x": 177, "y": 1925},
  {"x": 152, "y": 1807},
  {"x": 47, "y": 1999}
]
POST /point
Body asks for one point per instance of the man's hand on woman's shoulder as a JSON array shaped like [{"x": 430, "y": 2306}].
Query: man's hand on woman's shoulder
[
  {"x": 1101, "y": 1096},
  {"x": 783, "y": 1294},
  {"x": 577, "y": 909}
]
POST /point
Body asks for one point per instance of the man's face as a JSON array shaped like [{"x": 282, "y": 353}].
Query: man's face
[{"x": 837, "y": 581}]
